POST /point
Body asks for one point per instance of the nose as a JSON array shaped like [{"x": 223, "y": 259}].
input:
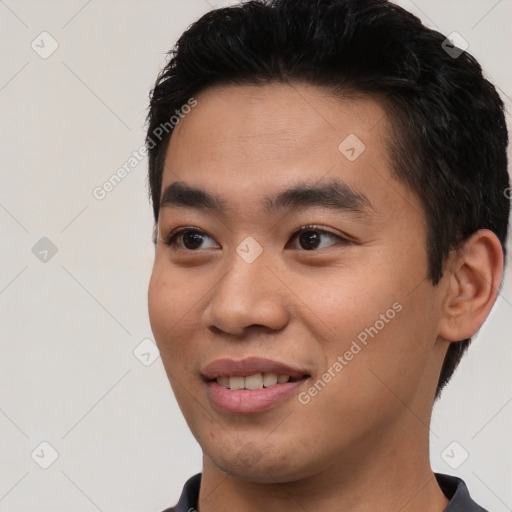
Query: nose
[{"x": 249, "y": 294}]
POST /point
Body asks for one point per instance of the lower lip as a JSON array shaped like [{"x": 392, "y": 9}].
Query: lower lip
[{"x": 246, "y": 402}]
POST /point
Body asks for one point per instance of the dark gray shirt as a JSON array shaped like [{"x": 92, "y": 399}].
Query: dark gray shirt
[{"x": 453, "y": 488}]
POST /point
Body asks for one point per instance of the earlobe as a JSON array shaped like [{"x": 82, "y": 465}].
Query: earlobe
[{"x": 474, "y": 273}]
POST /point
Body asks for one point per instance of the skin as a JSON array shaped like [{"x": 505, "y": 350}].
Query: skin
[{"x": 362, "y": 441}]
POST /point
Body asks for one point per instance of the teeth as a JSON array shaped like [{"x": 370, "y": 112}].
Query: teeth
[
  {"x": 252, "y": 382},
  {"x": 270, "y": 379},
  {"x": 223, "y": 381},
  {"x": 236, "y": 382}
]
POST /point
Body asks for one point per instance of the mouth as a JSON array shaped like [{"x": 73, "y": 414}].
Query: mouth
[
  {"x": 256, "y": 381},
  {"x": 251, "y": 385}
]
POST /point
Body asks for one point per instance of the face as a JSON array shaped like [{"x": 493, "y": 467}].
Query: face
[{"x": 306, "y": 264}]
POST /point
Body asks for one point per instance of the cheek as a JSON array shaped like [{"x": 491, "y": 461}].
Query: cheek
[
  {"x": 168, "y": 305},
  {"x": 160, "y": 304},
  {"x": 386, "y": 361},
  {"x": 383, "y": 332},
  {"x": 353, "y": 306},
  {"x": 170, "y": 312}
]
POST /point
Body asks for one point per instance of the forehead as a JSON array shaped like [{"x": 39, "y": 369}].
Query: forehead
[{"x": 247, "y": 141}]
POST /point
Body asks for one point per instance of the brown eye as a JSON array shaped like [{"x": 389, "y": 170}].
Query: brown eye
[
  {"x": 188, "y": 239},
  {"x": 192, "y": 239},
  {"x": 310, "y": 237}
]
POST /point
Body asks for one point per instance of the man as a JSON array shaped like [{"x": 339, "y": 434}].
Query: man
[{"x": 329, "y": 186}]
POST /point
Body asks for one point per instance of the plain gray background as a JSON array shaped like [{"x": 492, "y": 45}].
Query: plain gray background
[{"x": 72, "y": 321}]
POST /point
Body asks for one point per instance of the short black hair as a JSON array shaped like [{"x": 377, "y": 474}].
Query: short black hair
[{"x": 449, "y": 135}]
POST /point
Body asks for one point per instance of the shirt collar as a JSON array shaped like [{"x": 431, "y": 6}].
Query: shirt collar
[{"x": 454, "y": 489}]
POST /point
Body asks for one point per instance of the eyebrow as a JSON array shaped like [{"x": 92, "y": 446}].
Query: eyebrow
[{"x": 335, "y": 195}]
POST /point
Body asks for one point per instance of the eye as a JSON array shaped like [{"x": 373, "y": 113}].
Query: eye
[
  {"x": 309, "y": 237},
  {"x": 190, "y": 238}
]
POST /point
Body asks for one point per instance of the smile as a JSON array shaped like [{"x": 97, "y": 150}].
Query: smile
[
  {"x": 251, "y": 385},
  {"x": 254, "y": 382}
]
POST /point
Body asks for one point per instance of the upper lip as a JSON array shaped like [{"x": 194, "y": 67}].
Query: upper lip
[{"x": 249, "y": 366}]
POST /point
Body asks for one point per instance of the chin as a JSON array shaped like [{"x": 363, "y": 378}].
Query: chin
[{"x": 262, "y": 463}]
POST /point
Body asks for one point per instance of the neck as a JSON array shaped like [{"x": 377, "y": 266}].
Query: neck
[{"x": 394, "y": 475}]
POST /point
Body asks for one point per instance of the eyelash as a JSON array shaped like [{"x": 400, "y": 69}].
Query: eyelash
[{"x": 170, "y": 240}]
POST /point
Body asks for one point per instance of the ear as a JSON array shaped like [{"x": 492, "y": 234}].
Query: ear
[{"x": 474, "y": 276}]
